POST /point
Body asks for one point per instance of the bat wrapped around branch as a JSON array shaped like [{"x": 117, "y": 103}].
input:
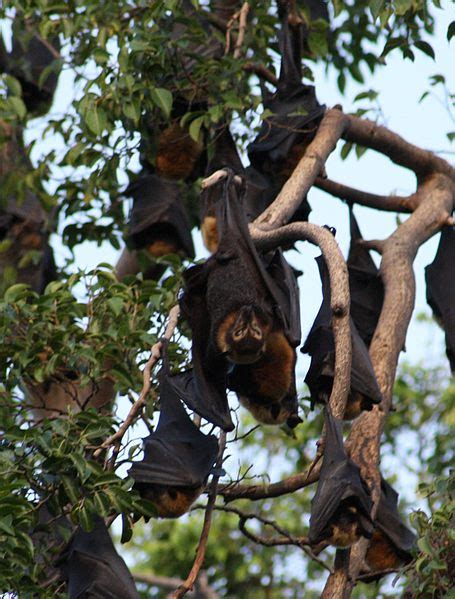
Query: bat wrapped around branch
[
  {"x": 236, "y": 310},
  {"x": 392, "y": 541},
  {"x": 178, "y": 457},
  {"x": 365, "y": 285},
  {"x": 341, "y": 507},
  {"x": 30, "y": 57},
  {"x": 93, "y": 568},
  {"x": 364, "y": 391},
  {"x": 440, "y": 280}
]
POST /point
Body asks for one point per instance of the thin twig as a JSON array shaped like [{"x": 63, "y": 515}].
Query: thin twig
[
  {"x": 200, "y": 552},
  {"x": 117, "y": 437},
  {"x": 243, "y": 16}
]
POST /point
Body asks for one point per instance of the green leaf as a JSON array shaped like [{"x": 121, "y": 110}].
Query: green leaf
[
  {"x": 163, "y": 99},
  {"x": 376, "y": 7},
  {"x": 13, "y": 85},
  {"x": 402, "y": 6},
  {"x": 425, "y": 546},
  {"x": 71, "y": 488},
  {"x": 127, "y": 530},
  {"x": 451, "y": 31},
  {"x": 85, "y": 518},
  {"x": 96, "y": 119},
  {"x": 15, "y": 292},
  {"x": 347, "y": 147},
  {"x": 116, "y": 305},
  {"x": 195, "y": 128},
  {"x": 18, "y": 106},
  {"x": 425, "y": 48}
]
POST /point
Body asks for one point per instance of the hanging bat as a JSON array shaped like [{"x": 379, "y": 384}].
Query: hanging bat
[
  {"x": 392, "y": 541},
  {"x": 224, "y": 155},
  {"x": 158, "y": 222},
  {"x": 365, "y": 284},
  {"x": 364, "y": 391},
  {"x": 178, "y": 457},
  {"x": 169, "y": 150},
  {"x": 340, "y": 509},
  {"x": 29, "y": 57},
  {"x": 439, "y": 279},
  {"x": 284, "y": 136},
  {"x": 231, "y": 302},
  {"x": 267, "y": 388},
  {"x": 93, "y": 568}
]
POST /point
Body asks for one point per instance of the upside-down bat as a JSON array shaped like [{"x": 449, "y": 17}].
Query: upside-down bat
[
  {"x": 320, "y": 345},
  {"x": 439, "y": 277},
  {"x": 392, "y": 541},
  {"x": 224, "y": 155},
  {"x": 178, "y": 457},
  {"x": 340, "y": 509},
  {"x": 284, "y": 136},
  {"x": 173, "y": 152},
  {"x": 267, "y": 388},
  {"x": 27, "y": 256},
  {"x": 158, "y": 221},
  {"x": 27, "y": 61},
  {"x": 365, "y": 284},
  {"x": 93, "y": 568},
  {"x": 234, "y": 304}
]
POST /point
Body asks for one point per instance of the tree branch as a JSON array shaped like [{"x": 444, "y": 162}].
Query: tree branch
[
  {"x": 391, "y": 203},
  {"x": 117, "y": 437},
  {"x": 436, "y": 202},
  {"x": 368, "y": 134}
]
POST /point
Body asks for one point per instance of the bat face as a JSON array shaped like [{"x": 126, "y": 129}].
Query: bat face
[
  {"x": 242, "y": 336},
  {"x": 344, "y": 529},
  {"x": 170, "y": 502}
]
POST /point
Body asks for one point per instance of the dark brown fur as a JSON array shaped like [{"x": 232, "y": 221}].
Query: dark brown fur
[
  {"x": 345, "y": 529},
  {"x": 381, "y": 554},
  {"x": 177, "y": 154},
  {"x": 170, "y": 502}
]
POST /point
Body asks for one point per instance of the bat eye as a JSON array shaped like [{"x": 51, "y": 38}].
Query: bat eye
[{"x": 239, "y": 333}]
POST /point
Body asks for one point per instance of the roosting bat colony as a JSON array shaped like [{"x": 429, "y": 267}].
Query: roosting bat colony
[{"x": 242, "y": 306}]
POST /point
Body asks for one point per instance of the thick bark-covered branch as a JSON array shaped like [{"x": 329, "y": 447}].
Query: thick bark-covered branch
[
  {"x": 436, "y": 201},
  {"x": 391, "y": 203},
  {"x": 369, "y": 134}
]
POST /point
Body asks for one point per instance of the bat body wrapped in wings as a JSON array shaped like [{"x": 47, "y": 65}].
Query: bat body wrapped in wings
[
  {"x": 236, "y": 310},
  {"x": 285, "y": 134},
  {"x": 340, "y": 509},
  {"x": 92, "y": 567},
  {"x": 364, "y": 391},
  {"x": 178, "y": 457},
  {"x": 440, "y": 280},
  {"x": 35, "y": 63},
  {"x": 392, "y": 541},
  {"x": 365, "y": 285}
]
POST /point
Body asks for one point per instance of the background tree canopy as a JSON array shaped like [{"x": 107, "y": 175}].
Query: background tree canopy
[{"x": 90, "y": 92}]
